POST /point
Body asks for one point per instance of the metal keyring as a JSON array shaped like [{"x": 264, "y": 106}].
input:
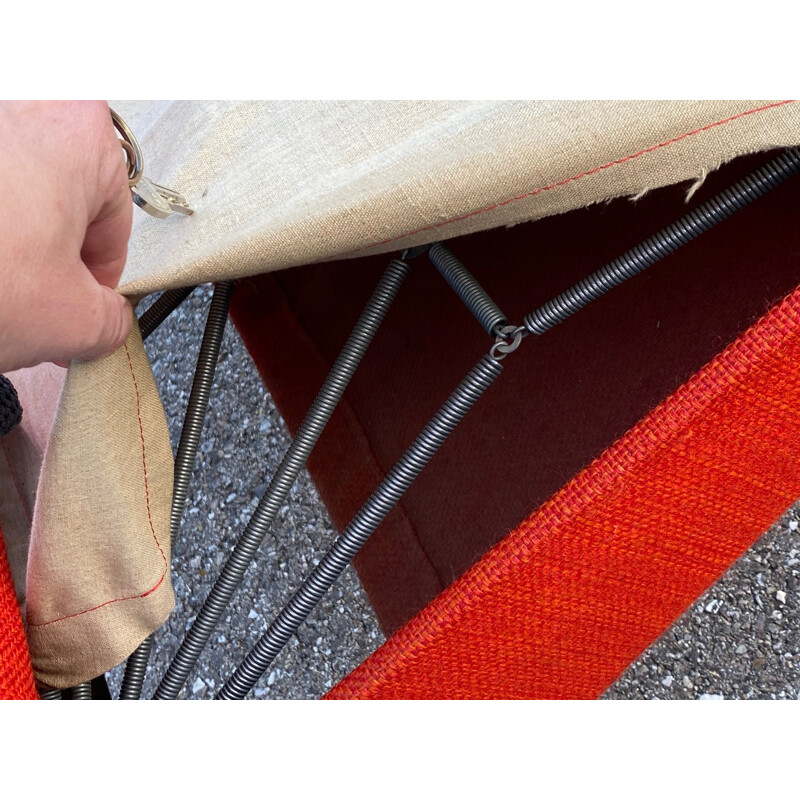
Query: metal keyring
[{"x": 131, "y": 147}]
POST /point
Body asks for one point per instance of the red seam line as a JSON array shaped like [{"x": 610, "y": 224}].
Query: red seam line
[
  {"x": 14, "y": 480},
  {"x": 144, "y": 460},
  {"x": 94, "y": 608},
  {"x": 568, "y": 180},
  {"x": 149, "y": 517}
]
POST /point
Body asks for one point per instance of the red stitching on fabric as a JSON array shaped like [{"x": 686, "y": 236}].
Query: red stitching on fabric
[
  {"x": 107, "y": 603},
  {"x": 564, "y": 182},
  {"x": 149, "y": 517},
  {"x": 14, "y": 480},
  {"x": 144, "y": 460}
]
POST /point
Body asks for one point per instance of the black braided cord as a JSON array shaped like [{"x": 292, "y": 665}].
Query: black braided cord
[{"x": 10, "y": 409}]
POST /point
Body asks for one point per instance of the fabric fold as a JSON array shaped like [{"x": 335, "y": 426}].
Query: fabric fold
[{"x": 98, "y": 569}]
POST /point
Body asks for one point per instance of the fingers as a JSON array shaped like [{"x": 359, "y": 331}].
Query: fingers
[
  {"x": 110, "y": 326},
  {"x": 107, "y": 318},
  {"x": 105, "y": 326},
  {"x": 89, "y": 320},
  {"x": 64, "y": 232},
  {"x": 105, "y": 246},
  {"x": 75, "y": 318}
]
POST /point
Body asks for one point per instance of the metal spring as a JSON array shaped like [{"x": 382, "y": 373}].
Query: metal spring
[
  {"x": 285, "y": 476},
  {"x": 136, "y": 670},
  {"x": 161, "y": 309},
  {"x": 472, "y": 294},
  {"x": 50, "y": 694},
  {"x": 196, "y": 408},
  {"x": 363, "y": 525},
  {"x": 664, "y": 242},
  {"x": 81, "y": 692}
]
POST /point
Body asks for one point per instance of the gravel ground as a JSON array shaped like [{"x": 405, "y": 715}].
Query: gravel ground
[{"x": 741, "y": 640}]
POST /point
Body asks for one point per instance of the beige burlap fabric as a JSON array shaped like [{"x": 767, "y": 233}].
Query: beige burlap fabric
[
  {"x": 280, "y": 184},
  {"x": 98, "y": 578}
]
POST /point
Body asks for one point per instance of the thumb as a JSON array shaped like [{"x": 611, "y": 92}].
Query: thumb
[{"x": 100, "y": 321}]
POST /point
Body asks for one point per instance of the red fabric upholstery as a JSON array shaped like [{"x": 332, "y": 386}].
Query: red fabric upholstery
[
  {"x": 16, "y": 675},
  {"x": 564, "y": 603}
]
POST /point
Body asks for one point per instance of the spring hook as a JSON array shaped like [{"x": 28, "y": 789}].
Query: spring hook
[{"x": 508, "y": 340}]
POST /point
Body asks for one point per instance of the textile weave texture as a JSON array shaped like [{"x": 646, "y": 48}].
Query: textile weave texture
[
  {"x": 16, "y": 676},
  {"x": 562, "y": 605}
]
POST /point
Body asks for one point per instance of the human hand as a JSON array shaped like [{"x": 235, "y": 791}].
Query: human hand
[{"x": 65, "y": 220}]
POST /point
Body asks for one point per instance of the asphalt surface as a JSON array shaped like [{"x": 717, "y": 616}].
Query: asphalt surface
[{"x": 740, "y": 640}]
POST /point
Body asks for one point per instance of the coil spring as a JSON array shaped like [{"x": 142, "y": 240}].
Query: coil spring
[
  {"x": 196, "y": 408},
  {"x": 81, "y": 692},
  {"x": 472, "y": 294},
  {"x": 197, "y": 405},
  {"x": 365, "y": 522},
  {"x": 161, "y": 309},
  {"x": 664, "y": 242},
  {"x": 50, "y": 694},
  {"x": 285, "y": 476},
  {"x": 136, "y": 670}
]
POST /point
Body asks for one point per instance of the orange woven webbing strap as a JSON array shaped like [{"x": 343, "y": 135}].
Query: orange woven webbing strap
[
  {"x": 16, "y": 675},
  {"x": 566, "y": 601}
]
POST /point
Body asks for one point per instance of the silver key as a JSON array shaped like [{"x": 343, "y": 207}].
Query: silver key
[
  {"x": 177, "y": 202},
  {"x": 154, "y": 199},
  {"x": 158, "y": 201}
]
